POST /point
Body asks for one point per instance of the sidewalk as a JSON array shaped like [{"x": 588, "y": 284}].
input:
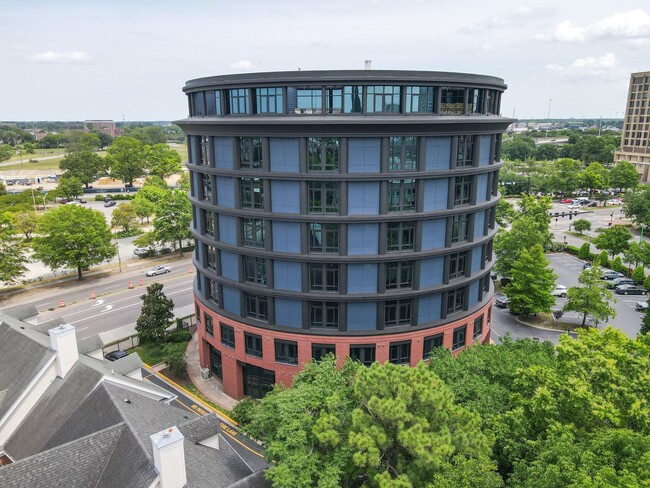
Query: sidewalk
[{"x": 211, "y": 388}]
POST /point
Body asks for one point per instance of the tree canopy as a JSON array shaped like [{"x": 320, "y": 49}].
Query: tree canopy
[
  {"x": 173, "y": 219},
  {"x": 162, "y": 161},
  {"x": 126, "y": 159},
  {"x": 591, "y": 298},
  {"x": 13, "y": 257},
  {"x": 86, "y": 166},
  {"x": 532, "y": 281},
  {"x": 624, "y": 175},
  {"x": 73, "y": 236},
  {"x": 614, "y": 240},
  {"x": 155, "y": 315}
]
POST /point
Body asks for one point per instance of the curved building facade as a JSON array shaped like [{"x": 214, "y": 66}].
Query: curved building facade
[{"x": 350, "y": 212}]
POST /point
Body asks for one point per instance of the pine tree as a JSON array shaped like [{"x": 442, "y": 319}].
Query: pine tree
[
  {"x": 532, "y": 283},
  {"x": 156, "y": 315}
]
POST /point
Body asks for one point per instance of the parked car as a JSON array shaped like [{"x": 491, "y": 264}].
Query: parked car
[
  {"x": 115, "y": 355},
  {"x": 83, "y": 200},
  {"x": 592, "y": 203},
  {"x": 110, "y": 203},
  {"x": 611, "y": 275},
  {"x": 620, "y": 281},
  {"x": 559, "y": 291},
  {"x": 615, "y": 201},
  {"x": 74, "y": 202},
  {"x": 630, "y": 290},
  {"x": 142, "y": 251},
  {"x": 641, "y": 306},
  {"x": 586, "y": 265},
  {"x": 575, "y": 206},
  {"x": 566, "y": 200},
  {"x": 156, "y": 270},
  {"x": 501, "y": 300}
]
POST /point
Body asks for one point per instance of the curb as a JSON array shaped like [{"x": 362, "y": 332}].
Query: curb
[{"x": 544, "y": 328}]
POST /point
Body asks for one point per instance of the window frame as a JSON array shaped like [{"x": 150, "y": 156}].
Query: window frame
[
  {"x": 213, "y": 291},
  {"x": 227, "y": 333},
  {"x": 400, "y": 353},
  {"x": 252, "y": 193},
  {"x": 239, "y": 102},
  {"x": 398, "y": 309},
  {"x": 362, "y": 351},
  {"x": 455, "y": 103},
  {"x": 212, "y": 257},
  {"x": 458, "y": 222},
  {"x": 325, "y": 231},
  {"x": 403, "y": 153},
  {"x": 455, "y": 301},
  {"x": 401, "y": 229},
  {"x": 400, "y": 274},
  {"x": 429, "y": 344},
  {"x": 253, "y": 224},
  {"x": 311, "y": 96},
  {"x": 286, "y": 352},
  {"x": 327, "y": 348},
  {"x": 324, "y": 277},
  {"x": 465, "y": 151},
  {"x": 478, "y": 320},
  {"x": 209, "y": 324},
  {"x": 413, "y": 99},
  {"x": 250, "y": 153},
  {"x": 322, "y": 150},
  {"x": 325, "y": 307},
  {"x": 207, "y": 188},
  {"x": 459, "y": 338},
  {"x": 463, "y": 190},
  {"x": 380, "y": 98},
  {"x": 256, "y": 306},
  {"x": 208, "y": 223},
  {"x": 254, "y": 270},
  {"x": 269, "y": 100},
  {"x": 251, "y": 343},
  {"x": 402, "y": 189},
  {"x": 457, "y": 265},
  {"x": 329, "y": 190}
]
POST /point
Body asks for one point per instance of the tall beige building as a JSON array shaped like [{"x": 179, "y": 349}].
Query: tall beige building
[{"x": 635, "y": 141}]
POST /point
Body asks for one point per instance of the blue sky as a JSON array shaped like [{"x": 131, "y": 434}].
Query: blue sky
[{"x": 75, "y": 60}]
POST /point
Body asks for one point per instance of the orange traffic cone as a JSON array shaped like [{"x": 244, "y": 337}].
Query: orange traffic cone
[
  {"x": 141, "y": 281},
  {"x": 190, "y": 270},
  {"x": 92, "y": 295},
  {"x": 61, "y": 304},
  {"x": 130, "y": 285}
]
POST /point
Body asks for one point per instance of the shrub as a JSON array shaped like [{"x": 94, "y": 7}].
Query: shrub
[
  {"x": 603, "y": 259},
  {"x": 175, "y": 359},
  {"x": 554, "y": 246},
  {"x": 617, "y": 265},
  {"x": 638, "y": 274},
  {"x": 646, "y": 283},
  {"x": 243, "y": 411},
  {"x": 572, "y": 250},
  {"x": 583, "y": 253},
  {"x": 178, "y": 336}
]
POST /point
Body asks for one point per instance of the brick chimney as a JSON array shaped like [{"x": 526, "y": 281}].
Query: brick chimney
[
  {"x": 63, "y": 340},
  {"x": 169, "y": 457}
]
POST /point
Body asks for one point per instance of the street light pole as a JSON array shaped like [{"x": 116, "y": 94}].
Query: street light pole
[{"x": 119, "y": 260}]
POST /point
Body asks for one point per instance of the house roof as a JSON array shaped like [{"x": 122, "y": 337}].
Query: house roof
[
  {"x": 90, "y": 344},
  {"x": 126, "y": 364},
  {"x": 21, "y": 359}
]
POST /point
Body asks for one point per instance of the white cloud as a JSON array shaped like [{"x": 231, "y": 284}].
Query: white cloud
[
  {"x": 241, "y": 65},
  {"x": 506, "y": 19},
  {"x": 487, "y": 47},
  {"x": 633, "y": 24},
  {"x": 604, "y": 67},
  {"x": 638, "y": 43},
  {"x": 60, "y": 57}
]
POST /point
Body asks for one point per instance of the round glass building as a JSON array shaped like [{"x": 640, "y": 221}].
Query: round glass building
[{"x": 349, "y": 212}]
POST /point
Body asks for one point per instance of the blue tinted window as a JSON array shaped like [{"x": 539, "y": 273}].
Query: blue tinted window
[
  {"x": 310, "y": 101},
  {"x": 213, "y": 103},
  {"x": 420, "y": 99},
  {"x": 238, "y": 101},
  {"x": 382, "y": 99},
  {"x": 352, "y": 96},
  {"x": 269, "y": 101}
]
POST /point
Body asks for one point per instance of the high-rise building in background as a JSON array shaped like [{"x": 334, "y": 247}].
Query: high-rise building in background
[
  {"x": 345, "y": 212},
  {"x": 635, "y": 141}
]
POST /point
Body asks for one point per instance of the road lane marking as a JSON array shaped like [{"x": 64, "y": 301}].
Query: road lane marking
[{"x": 41, "y": 304}]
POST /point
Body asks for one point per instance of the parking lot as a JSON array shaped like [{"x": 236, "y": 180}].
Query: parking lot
[{"x": 568, "y": 268}]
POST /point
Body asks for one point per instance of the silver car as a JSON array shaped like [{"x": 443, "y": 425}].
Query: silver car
[{"x": 156, "y": 270}]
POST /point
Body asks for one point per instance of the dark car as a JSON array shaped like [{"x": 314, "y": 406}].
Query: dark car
[
  {"x": 630, "y": 290},
  {"x": 620, "y": 281},
  {"x": 501, "y": 301},
  {"x": 611, "y": 275},
  {"x": 586, "y": 265},
  {"x": 115, "y": 355},
  {"x": 110, "y": 203}
]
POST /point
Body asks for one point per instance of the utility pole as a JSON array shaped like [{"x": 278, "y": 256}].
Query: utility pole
[{"x": 548, "y": 117}]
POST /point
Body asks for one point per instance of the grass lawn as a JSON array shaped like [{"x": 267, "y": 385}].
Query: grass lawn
[
  {"x": 45, "y": 165},
  {"x": 584, "y": 237},
  {"x": 152, "y": 353},
  {"x": 39, "y": 153}
]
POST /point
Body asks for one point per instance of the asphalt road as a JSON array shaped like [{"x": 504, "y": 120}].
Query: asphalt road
[{"x": 250, "y": 452}]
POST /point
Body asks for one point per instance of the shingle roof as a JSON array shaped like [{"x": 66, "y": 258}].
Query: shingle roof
[
  {"x": 20, "y": 361},
  {"x": 43, "y": 327},
  {"x": 108, "y": 458},
  {"x": 54, "y": 408},
  {"x": 90, "y": 344},
  {"x": 126, "y": 364},
  {"x": 21, "y": 312}
]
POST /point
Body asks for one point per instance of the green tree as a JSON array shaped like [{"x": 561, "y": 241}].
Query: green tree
[
  {"x": 594, "y": 177},
  {"x": 582, "y": 225},
  {"x": 148, "y": 240},
  {"x": 401, "y": 435},
  {"x": 126, "y": 159},
  {"x": 519, "y": 148},
  {"x": 566, "y": 175},
  {"x": 142, "y": 207},
  {"x": 84, "y": 142},
  {"x": 69, "y": 187},
  {"x": 173, "y": 219},
  {"x": 150, "y": 135},
  {"x": 124, "y": 216},
  {"x": 13, "y": 259},
  {"x": 615, "y": 239},
  {"x": 505, "y": 212},
  {"x": 638, "y": 274},
  {"x": 624, "y": 176},
  {"x": 583, "y": 253},
  {"x": 50, "y": 141},
  {"x": 6, "y": 151},
  {"x": 25, "y": 222},
  {"x": 73, "y": 236},
  {"x": 645, "y": 323},
  {"x": 532, "y": 283},
  {"x": 175, "y": 359},
  {"x": 184, "y": 183},
  {"x": 3, "y": 188},
  {"x": 155, "y": 190},
  {"x": 86, "y": 166},
  {"x": 591, "y": 297},
  {"x": 162, "y": 161},
  {"x": 546, "y": 152},
  {"x": 638, "y": 252},
  {"x": 637, "y": 206},
  {"x": 156, "y": 314},
  {"x": 602, "y": 259},
  {"x": 104, "y": 139}
]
